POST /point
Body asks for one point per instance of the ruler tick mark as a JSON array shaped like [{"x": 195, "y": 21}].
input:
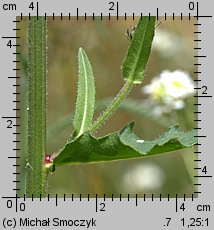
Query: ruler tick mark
[
  {"x": 117, "y": 11},
  {"x": 200, "y": 56},
  {"x": 136, "y": 200},
  {"x": 202, "y": 96},
  {"x": 96, "y": 202},
  {"x": 198, "y": 176},
  {"x": 157, "y": 14},
  {"x": 37, "y": 10},
  {"x": 56, "y": 200}
]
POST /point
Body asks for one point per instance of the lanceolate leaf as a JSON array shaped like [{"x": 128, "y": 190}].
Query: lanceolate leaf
[
  {"x": 86, "y": 95},
  {"x": 122, "y": 145},
  {"x": 134, "y": 65}
]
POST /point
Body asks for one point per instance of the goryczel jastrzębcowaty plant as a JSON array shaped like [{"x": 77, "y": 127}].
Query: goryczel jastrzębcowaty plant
[{"x": 82, "y": 146}]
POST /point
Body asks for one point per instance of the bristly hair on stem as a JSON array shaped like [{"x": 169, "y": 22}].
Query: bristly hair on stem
[
  {"x": 36, "y": 174},
  {"x": 113, "y": 106}
]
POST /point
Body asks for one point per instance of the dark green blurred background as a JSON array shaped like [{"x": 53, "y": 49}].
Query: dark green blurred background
[{"x": 105, "y": 44}]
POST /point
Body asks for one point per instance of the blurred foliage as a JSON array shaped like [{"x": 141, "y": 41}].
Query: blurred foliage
[{"x": 105, "y": 44}]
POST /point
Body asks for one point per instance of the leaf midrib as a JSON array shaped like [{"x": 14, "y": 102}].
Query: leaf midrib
[
  {"x": 86, "y": 97},
  {"x": 131, "y": 76}
]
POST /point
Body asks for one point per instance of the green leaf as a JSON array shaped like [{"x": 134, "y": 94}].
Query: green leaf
[
  {"x": 171, "y": 140},
  {"x": 134, "y": 65},
  {"x": 86, "y": 95},
  {"x": 122, "y": 145}
]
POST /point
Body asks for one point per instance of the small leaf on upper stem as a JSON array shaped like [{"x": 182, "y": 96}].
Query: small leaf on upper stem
[
  {"x": 134, "y": 64},
  {"x": 86, "y": 95}
]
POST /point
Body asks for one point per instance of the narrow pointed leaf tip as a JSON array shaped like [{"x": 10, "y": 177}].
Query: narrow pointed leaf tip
[
  {"x": 135, "y": 62},
  {"x": 122, "y": 145},
  {"x": 85, "y": 96}
]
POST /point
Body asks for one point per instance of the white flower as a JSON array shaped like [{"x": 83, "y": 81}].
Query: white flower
[
  {"x": 155, "y": 89},
  {"x": 177, "y": 84},
  {"x": 164, "y": 42},
  {"x": 170, "y": 89},
  {"x": 142, "y": 177}
]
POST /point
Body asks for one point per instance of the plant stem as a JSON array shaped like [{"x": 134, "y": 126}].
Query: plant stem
[
  {"x": 36, "y": 175},
  {"x": 113, "y": 106}
]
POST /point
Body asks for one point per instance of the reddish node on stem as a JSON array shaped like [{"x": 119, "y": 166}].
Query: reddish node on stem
[
  {"x": 48, "y": 159},
  {"x": 48, "y": 163}
]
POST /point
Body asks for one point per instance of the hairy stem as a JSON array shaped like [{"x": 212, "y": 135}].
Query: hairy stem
[
  {"x": 36, "y": 175},
  {"x": 124, "y": 92}
]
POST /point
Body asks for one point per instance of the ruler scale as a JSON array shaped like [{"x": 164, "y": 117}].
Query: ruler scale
[{"x": 117, "y": 211}]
